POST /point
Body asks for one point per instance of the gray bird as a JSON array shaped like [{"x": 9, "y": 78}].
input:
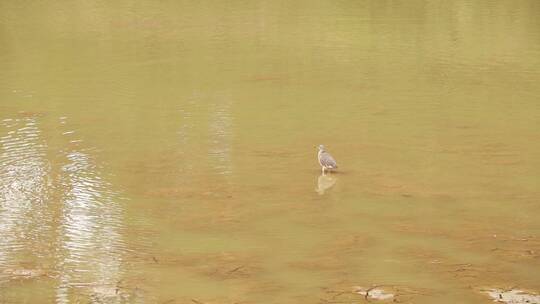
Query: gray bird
[{"x": 326, "y": 160}]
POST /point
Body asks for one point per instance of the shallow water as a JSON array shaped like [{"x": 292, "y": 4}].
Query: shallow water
[{"x": 166, "y": 152}]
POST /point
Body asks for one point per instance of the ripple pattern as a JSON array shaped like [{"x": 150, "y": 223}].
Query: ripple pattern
[
  {"x": 91, "y": 244},
  {"x": 24, "y": 190}
]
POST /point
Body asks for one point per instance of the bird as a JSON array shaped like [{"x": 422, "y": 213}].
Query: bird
[{"x": 326, "y": 160}]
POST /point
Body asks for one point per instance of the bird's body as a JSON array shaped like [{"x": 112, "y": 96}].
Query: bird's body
[{"x": 326, "y": 160}]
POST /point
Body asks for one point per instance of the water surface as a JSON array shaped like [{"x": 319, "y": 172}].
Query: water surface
[{"x": 165, "y": 152}]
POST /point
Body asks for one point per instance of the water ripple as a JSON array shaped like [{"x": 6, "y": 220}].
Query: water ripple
[
  {"x": 24, "y": 189},
  {"x": 91, "y": 226}
]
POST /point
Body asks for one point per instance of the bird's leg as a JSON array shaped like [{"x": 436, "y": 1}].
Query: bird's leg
[{"x": 323, "y": 171}]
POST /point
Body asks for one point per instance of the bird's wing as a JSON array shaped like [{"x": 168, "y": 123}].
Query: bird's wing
[{"x": 328, "y": 161}]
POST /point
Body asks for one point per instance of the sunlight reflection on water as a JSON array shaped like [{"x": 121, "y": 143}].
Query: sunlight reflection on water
[
  {"x": 90, "y": 228},
  {"x": 220, "y": 132},
  {"x": 24, "y": 189},
  {"x": 66, "y": 211}
]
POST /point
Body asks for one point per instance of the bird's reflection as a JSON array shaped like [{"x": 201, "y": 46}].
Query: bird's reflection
[{"x": 325, "y": 182}]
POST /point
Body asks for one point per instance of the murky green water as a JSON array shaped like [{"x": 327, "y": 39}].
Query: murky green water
[{"x": 165, "y": 152}]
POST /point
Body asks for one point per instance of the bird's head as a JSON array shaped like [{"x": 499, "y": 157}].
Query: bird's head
[{"x": 321, "y": 148}]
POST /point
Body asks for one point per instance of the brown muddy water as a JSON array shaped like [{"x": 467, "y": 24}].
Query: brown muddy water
[{"x": 165, "y": 151}]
